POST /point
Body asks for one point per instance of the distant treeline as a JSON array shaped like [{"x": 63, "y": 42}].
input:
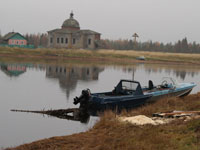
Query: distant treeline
[
  {"x": 38, "y": 40},
  {"x": 182, "y": 46}
]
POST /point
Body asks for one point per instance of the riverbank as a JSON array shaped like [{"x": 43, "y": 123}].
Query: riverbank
[
  {"x": 104, "y": 56},
  {"x": 109, "y": 133}
]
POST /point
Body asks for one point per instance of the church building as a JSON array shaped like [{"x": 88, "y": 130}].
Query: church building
[{"x": 70, "y": 36}]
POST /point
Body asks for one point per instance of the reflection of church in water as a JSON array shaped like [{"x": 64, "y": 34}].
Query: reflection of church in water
[{"x": 68, "y": 76}]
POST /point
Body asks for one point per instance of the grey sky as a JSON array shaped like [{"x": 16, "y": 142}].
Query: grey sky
[{"x": 157, "y": 20}]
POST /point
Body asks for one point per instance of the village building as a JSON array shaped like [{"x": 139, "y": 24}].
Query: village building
[
  {"x": 70, "y": 36},
  {"x": 14, "y": 38}
]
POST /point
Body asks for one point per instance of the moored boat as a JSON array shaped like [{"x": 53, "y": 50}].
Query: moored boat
[
  {"x": 129, "y": 94},
  {"x": 168, "y": 87}
]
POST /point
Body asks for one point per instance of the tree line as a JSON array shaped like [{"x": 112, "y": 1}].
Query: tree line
[
  {"x": 38, "y": 40},
  {"x": 181, "y": 46}
]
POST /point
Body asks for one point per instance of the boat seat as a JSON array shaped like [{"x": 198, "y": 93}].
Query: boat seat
[{"x": 150, "y": 85}]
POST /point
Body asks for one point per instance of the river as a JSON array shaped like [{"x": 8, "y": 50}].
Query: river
[{"x": 53, "y": 86}]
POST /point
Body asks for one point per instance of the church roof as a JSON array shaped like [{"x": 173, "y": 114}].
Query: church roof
[
  {"x": 61, "y": 31},
  {"x": 66, "y": 31},
  {"x": 88, "y": 32},
  {"x": 69, "y": 25},
  {"x": 71, "y": 22}
]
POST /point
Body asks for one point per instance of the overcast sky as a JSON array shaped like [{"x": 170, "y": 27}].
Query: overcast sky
[{"x": 157, "y": 20}]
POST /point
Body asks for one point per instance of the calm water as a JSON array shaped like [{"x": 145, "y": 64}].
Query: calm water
[{"x": 37, "y": 87}]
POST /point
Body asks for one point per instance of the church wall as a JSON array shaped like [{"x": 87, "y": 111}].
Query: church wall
[
  {"x": 71, "y": 38},
  {"x": 62, "y": 40},
  {"x": 78, "y": 42},
  {"x": 90, "y": 41},
  {"x": 59, "y": 40},
  {"x": 49, "y": 40},
  {"x": 81, "y": 40}
]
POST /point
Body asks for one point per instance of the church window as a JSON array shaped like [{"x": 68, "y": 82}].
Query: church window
[
  {"x": 62, "y": 40},
  {"x": 66, "y": 40},
  {"x": 74, "y": 41},
  {"x": 51, "y": 40},
  {"x": 58, "y": 40},
  {"x": 89, "y": 41}
]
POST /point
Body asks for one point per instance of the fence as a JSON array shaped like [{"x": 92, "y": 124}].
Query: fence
[{"x": 21, "y": 46}]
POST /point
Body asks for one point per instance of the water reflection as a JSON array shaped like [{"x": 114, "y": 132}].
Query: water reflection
[
  {"x": 177, "y": 70},
  {"x": 68, "y": 76},
  {"x": 13, "y": 70},
  {"x": 74, "y": 114},
  {"x": 45, "y": 86}
]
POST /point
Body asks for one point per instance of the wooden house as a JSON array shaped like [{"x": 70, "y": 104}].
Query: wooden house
[{"x": 14, "y": 38}]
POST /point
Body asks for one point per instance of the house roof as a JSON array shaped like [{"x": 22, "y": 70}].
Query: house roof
[{"x": 12, "y": 34}]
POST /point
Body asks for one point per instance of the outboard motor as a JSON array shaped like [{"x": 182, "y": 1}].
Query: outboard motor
[{"x": 83, "y": 99}]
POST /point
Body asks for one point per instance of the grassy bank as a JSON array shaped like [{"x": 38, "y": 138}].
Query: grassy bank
[
  {"x": 98, "y": 55},
  {"x": 110, "y": 134}
]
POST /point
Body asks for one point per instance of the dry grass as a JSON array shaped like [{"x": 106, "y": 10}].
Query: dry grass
[
  {"x": 110, "y": 134},
  {"x": 99, "y": 54},
  {"x": 153, "y": 55}
]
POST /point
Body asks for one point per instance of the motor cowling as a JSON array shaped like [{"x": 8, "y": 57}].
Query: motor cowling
[{"x": 83, "y": 99}]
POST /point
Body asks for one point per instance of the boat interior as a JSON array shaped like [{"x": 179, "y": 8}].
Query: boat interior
[
  {"x": 124, "y": 87},
  {"x": 151, "y": 88},
  {"x": 128, "y": 87}
]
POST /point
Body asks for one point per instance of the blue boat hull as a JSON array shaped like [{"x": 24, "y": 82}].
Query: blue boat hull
[
  {"x": 126, "y": 102},
  {"x": 118, "y": 103},
  {"x": 180, "y": 92},
  {"x": 129, "y": 94}
]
